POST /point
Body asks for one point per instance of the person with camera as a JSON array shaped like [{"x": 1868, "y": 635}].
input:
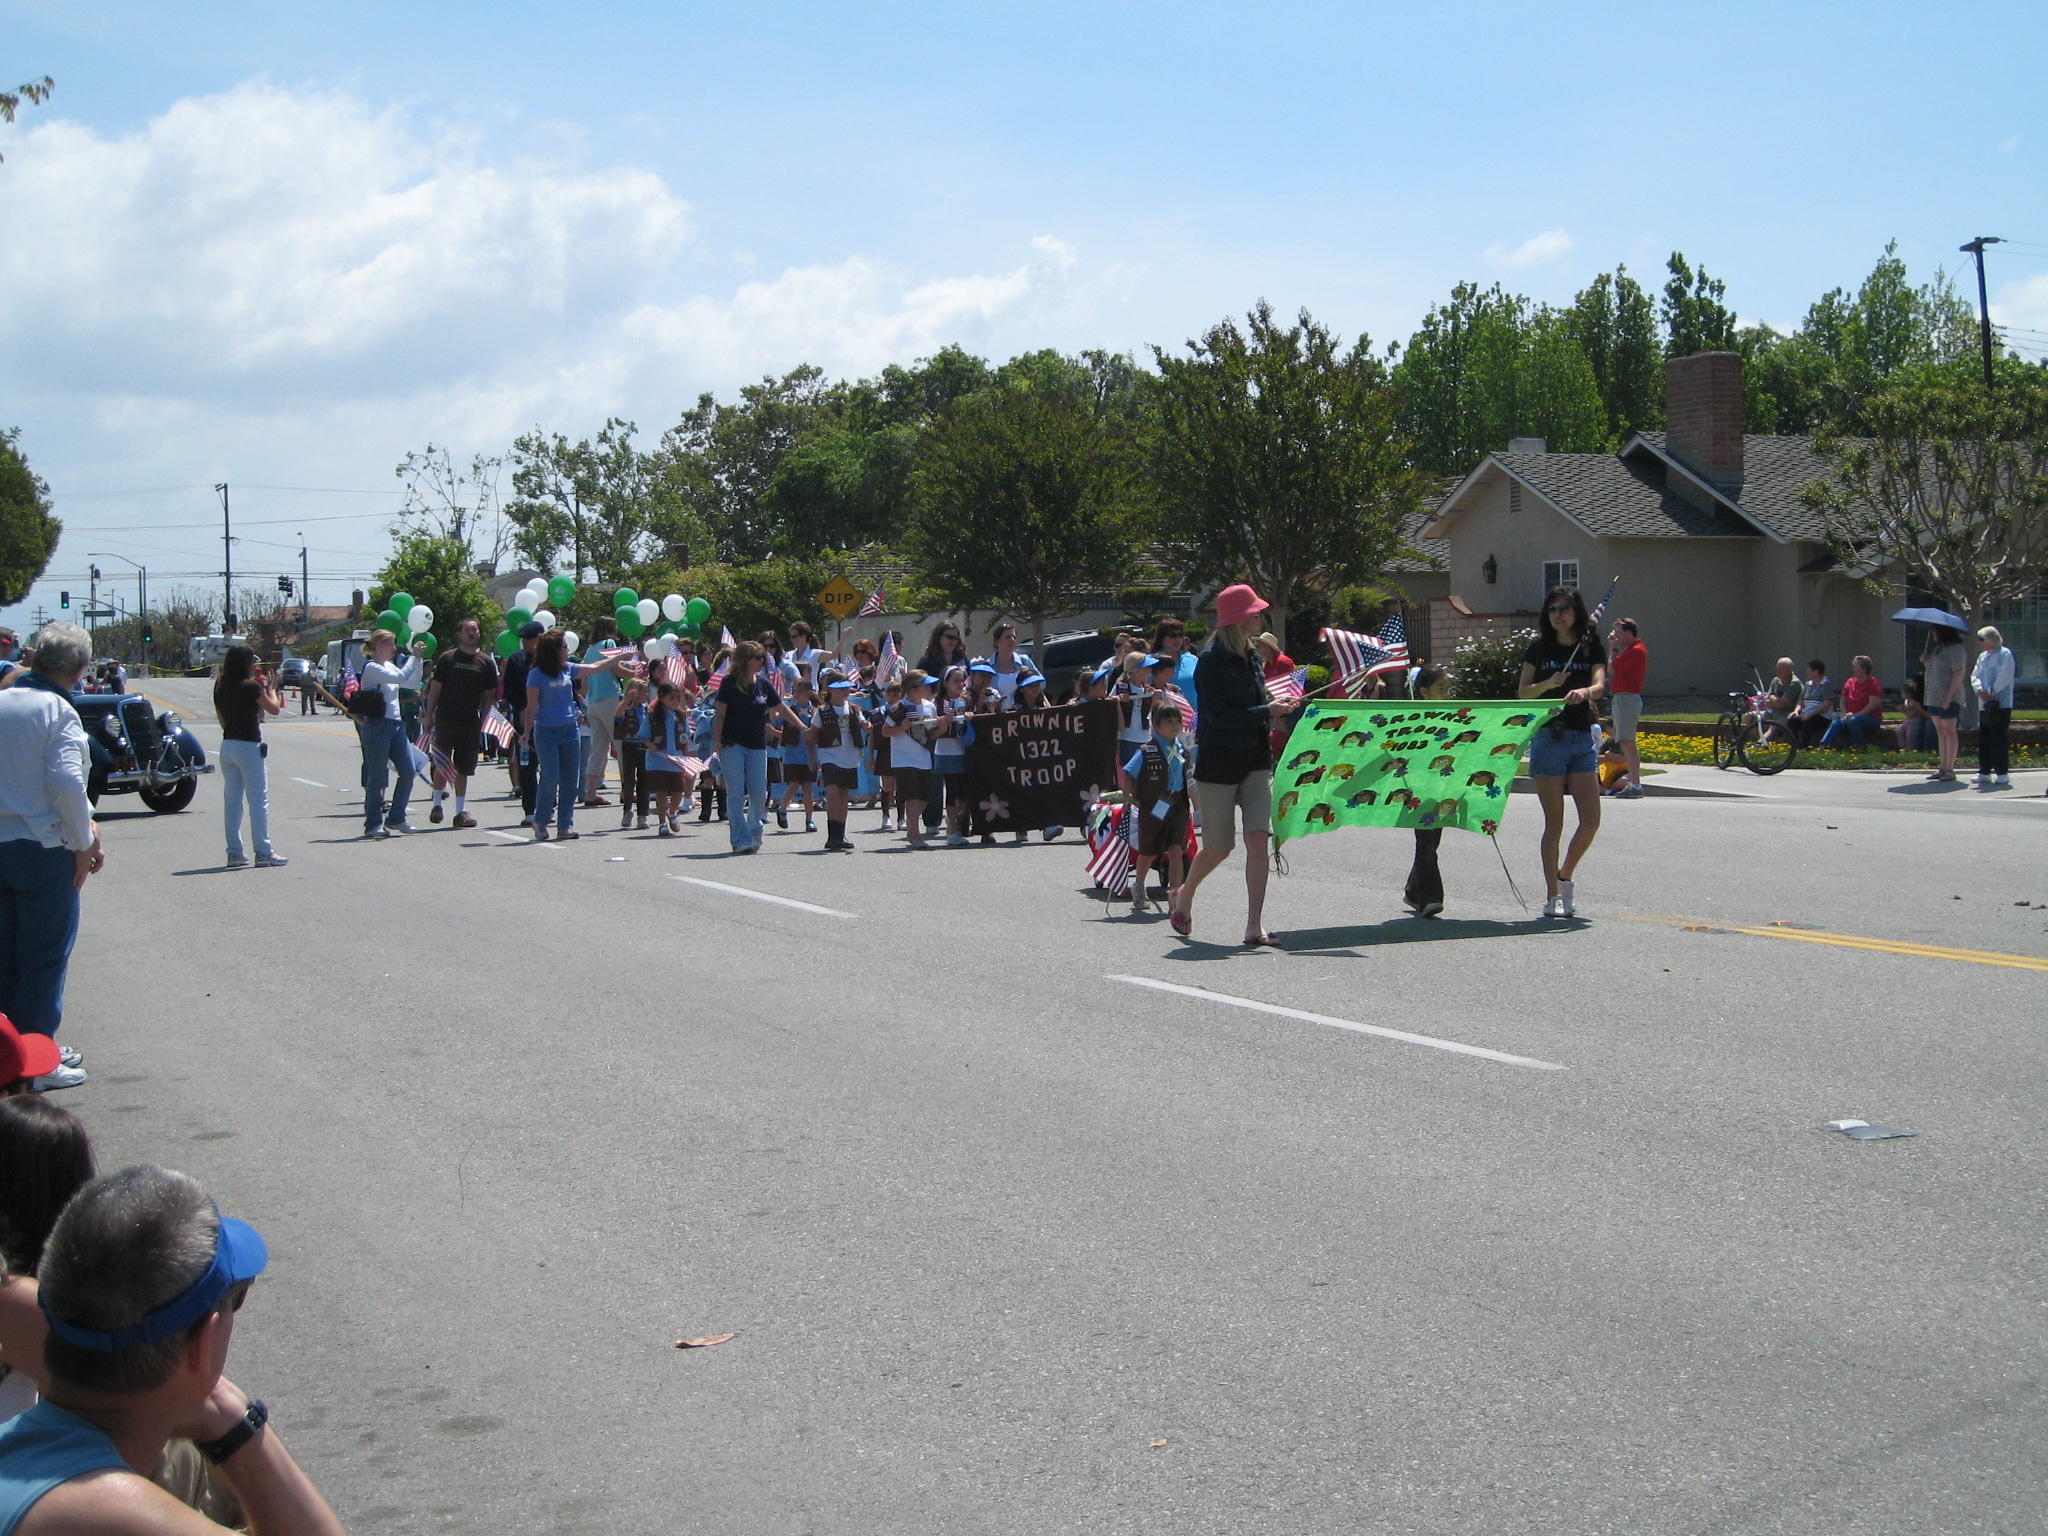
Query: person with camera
[
  {"x": 242, "y": 695},
  {"x": 380, "y": 727},
  {"x": 141, "y": 1281}
]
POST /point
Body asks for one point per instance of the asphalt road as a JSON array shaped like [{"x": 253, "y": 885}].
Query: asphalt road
[{"x": 1011, "y": 1245}]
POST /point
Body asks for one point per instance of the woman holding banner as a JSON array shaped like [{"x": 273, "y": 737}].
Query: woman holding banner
[
  {"x": 1233, "y": 759},
  {"x": 1567, "y": 658}
]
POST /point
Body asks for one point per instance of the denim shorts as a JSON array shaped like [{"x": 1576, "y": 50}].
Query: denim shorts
[{"x": 1559, "y": 757}]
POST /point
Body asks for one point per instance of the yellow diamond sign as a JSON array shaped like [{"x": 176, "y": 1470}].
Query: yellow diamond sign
[{"x": 840, "y": 597}]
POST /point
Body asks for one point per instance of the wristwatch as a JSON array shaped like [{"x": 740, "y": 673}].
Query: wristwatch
[{"x": 250, "y": 1426}]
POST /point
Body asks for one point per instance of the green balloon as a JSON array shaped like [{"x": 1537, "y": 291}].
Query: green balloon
[
  {"x": 628, "y": 620},
  {"x": 390, "y": 619},
  {"x": 689, "y": 628},
  {"x": 666, "y": 629},
  {"x": 697, "y": 610},
  {"x": 561, "y": 589},
  {"x": 400, "y": 603},
  {"x": 517, "y": 619},
  {"x": 507, "y": 643},
  {"x": 426, "y": 638},
  {"x": 627, "y": 598}
]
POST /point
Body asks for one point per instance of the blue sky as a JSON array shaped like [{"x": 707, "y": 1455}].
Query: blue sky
[{"x": 281, "y": 244}]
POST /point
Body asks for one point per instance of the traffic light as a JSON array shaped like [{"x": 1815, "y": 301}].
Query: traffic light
[
  {"x": 148, "y": 634},
  {"x": 284, "y": 585},
  {"x": 63, "y": 599}
]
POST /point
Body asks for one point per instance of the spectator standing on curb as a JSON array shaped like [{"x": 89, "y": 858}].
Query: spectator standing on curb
[
  {"x": 1626, "y": 674},
  {"x": 1945, "y": 664},
  {"x": 242, "y": 696},
  {"x": 1993, "y": 676},
  {"x": 48, "y": 843},
  {"x": 141, "y": 1281},
  {"x": 1861, "y": 714}
]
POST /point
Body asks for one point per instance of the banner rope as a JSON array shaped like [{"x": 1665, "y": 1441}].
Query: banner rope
[{"x": 1512, "y": 887}]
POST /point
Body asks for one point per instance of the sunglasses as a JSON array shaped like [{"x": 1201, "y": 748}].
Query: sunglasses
[{"x": 1559, "y": 608}]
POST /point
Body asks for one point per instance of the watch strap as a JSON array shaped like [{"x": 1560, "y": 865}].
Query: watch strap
[{"x": 250, "y": 1425}]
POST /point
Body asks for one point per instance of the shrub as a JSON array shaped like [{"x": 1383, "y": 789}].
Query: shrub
[
  {"x": 1490, "y": 667},
  {"x": 1318, "y": 678}
]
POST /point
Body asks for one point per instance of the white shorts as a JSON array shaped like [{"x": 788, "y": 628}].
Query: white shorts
[{"x": 1628, "y": 710}]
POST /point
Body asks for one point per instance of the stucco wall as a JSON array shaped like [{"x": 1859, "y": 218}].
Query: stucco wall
[{"x": 1519, "y": 542}]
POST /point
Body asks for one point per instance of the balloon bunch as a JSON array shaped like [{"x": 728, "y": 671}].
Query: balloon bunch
[
  {"x": 530, "y": 606},
  {"x": 409, "y": 621}
]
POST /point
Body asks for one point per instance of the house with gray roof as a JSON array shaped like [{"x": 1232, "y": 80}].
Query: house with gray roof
[{"x": 1700, "y": 525}]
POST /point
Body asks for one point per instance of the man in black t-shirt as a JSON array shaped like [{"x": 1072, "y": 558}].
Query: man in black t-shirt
[{"x": 465, "y": 682}]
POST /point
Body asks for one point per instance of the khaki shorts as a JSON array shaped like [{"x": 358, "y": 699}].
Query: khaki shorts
[
  {"x": 1628, "y": 710},
  {"x": 1221, "y": 804}
]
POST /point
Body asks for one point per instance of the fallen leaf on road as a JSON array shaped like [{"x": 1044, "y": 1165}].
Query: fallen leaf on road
[
  {"x": 706, "y": 1342},
  {"x": 1156, "y": 1445},
  {"x": 1698, "y": 928}
]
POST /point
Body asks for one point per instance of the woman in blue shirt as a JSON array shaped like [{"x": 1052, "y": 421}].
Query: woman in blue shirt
[{"x": 549, "y": 725}]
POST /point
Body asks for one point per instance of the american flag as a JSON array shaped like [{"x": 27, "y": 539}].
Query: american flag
[
  {"x": 350, "y": 680},
  {"x": 1600, "y": 611},
  {"x": 1109, "y": 858},
  {"x": 1187, "y": 708},
  {"x": 1393, "y": 640},
  {"x": 1289, "y": 687},
  {"x": 674, "y": 669},
  {"x": 498, "y": 728},
  {"x": 873, "y": 604},
  {"x": 1357, "y": 656},
  {"x": 725, "y": 640},
  {"x": 890, "y": 663}
]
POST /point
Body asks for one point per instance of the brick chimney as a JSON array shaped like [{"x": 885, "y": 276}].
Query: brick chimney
[{"x": 1703, "y": 416}]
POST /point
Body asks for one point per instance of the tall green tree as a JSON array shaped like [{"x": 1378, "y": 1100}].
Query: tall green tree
[
  {"x": 28, "y": 531},
  {"x": 1615, "y": 324},
  {"x": 722, "y": 460},
  {"x": 1277, "y": 459},
  {"x": 1488, "y": 366},
  {"x": 1695, "y": 316},
  {"x": 1946, "y": 490},
  {"x": 453, "y": 501},
  {"x": 436, "y": 571},
  {"x": 1025, "y": 492},
  {"x": 597, "y": 504}
]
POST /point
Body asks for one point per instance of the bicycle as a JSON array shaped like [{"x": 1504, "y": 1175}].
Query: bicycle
[{"x": 1742, "y": 734}]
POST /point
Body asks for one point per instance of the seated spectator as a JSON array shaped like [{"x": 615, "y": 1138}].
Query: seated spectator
[
  {"x": 1861, "y": 713},
  {"x": 141, "y": 1282},
  {"x": 1783, "y": 695},
  {"x": 1612, "y": 766},
  {"x": 1916, "y": 726},
  {"x": 1816, "y": 706},
  {"x": 48, "y": 1159}
]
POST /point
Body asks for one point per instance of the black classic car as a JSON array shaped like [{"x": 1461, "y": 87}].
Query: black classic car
[{"x": 136, "y": 749}]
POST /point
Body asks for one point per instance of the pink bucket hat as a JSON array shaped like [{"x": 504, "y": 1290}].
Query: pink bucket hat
[{"x": 1236, "y": 604}]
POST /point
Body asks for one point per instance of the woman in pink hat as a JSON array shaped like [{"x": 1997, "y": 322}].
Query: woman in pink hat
[{"x": 1233, "y": 757}]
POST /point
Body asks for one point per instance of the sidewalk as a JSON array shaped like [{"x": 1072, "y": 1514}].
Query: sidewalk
[{"x": 1903, "y": 789}]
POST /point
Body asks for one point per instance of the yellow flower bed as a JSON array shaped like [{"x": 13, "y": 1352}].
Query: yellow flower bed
[{"x": 1700, "y": 750}]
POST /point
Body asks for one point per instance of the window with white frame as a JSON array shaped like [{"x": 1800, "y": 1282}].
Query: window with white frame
[{"x": 1560, "y": 573}]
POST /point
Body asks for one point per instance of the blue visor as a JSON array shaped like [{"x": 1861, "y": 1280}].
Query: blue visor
[
  {"x": 239, "y": 1255},
  {"x": 983, "y": 667}
]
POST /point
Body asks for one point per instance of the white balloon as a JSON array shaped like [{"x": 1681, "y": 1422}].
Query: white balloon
[
  {"x": 672, "y": 607},
  {"x": 652, "y": 648},
  {"x": 650, "y": 610},
  {"x": 571, "y": 642},
  {"x": 544, "y": 618},
  {"x": 420, "y": 618},
  {"x": 528, "y": 598}
]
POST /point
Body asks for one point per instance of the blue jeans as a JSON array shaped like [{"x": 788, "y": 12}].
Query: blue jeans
[
  {"x": 384, "y": 748},
  {"x": 38, "y": 925},
  {"x": 1856, "y": 729},
  {"x": 242, "y": 779},
  {"x": 746, "y": 789},
  {"x": 558, "y": 753}
]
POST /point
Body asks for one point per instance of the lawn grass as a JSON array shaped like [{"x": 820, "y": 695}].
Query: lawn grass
[{"x": 1709, "y": 716}]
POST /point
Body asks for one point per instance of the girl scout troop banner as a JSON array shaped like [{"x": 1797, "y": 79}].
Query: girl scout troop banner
[
  {"x": 1040, "y": 767},
  {"x": 1377, "y": 763}
]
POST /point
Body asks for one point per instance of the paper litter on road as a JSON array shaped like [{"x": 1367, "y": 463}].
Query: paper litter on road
[{"x": 1863, "y": 1130}]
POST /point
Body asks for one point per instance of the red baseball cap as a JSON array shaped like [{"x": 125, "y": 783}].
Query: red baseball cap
[{"x": 22, "y": 1055}]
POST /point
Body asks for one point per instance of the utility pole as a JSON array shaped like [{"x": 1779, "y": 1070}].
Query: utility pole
[
  {"x": 227, "y": 575},
  {"x": 305, "y": 593},
  {"x": 141, "y": 595},
  {"x": 92, "y": 603},
  {"x": 1976, "y": 249}
]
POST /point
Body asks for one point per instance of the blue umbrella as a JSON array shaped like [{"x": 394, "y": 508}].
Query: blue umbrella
[{"x": 1930, "y": 616}]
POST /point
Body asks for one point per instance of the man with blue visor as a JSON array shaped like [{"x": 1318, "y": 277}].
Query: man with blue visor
[{"x": 140, "y": 1284}]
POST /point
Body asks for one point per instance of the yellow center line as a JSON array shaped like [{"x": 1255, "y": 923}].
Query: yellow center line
[{"x": 1859, "y": 941}]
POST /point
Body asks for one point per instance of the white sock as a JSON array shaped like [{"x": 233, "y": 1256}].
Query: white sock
[
  {"x": 461, "y": 801},
  {"x": 437, "y": 794}
]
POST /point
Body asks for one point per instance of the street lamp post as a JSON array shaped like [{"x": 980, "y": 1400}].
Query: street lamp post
[{"x": 141, "y": 597}]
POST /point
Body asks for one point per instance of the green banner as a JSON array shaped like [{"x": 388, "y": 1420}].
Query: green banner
[{"x": 1402, "y": 763}]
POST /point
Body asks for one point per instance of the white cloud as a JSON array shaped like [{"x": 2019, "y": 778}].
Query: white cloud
[
  {"x": 1533, "y": 252},
  {"x": 266, "y": 240},
  {"x": 2024, "y": 302}
]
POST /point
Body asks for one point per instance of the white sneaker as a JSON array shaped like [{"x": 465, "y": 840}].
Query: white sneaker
[
  {"x": 69, "y": 1057},
  {"x": 63, "y": 1077},
  {"x": 2003, "y": 781},
  {"x": 271, "y": 861},
  {"x": 1564, "y": 898},
  {"x": 626, "y": 820},
  {"x": 1553, "y": 907},
  {"x": 643, "y": 825}
]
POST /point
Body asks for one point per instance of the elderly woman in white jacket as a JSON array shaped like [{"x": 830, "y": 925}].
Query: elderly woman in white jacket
[
  {"x": 1993, "y": 677},
  {"x": 383, "y": 735}
]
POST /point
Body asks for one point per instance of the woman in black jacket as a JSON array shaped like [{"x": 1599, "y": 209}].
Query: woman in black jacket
[{"x": 1233, "y": 758}]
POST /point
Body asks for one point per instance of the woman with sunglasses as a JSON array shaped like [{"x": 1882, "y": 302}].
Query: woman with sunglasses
[{"x": 1565, "y": 663}]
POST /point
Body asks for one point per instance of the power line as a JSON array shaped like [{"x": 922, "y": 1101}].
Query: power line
[
  {"x": 167, "y": 490},
  {"x": 247, "y": 522}
]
